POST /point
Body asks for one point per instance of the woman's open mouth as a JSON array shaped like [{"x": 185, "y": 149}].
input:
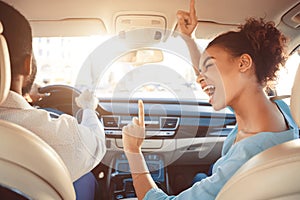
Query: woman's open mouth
[{"x": 209, "y": 90}]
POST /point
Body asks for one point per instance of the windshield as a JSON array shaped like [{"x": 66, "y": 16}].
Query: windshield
[{"x": 63, "y": 60}]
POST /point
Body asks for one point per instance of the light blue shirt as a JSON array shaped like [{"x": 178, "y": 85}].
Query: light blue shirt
[{"x": 233, "y": 157}]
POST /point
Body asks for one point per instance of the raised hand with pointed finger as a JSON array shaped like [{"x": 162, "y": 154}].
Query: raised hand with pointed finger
[
  {"x": 187, "y": 21},
  {"x": 133, "y": 134}
]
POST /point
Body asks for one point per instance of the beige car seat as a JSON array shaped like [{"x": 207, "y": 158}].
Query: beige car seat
[{"x": 29, "y": 167}]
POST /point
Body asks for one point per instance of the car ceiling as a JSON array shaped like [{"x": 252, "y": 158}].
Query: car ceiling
[{"x": 99, "y": 16}]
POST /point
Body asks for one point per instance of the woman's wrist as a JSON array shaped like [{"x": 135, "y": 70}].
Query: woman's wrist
[
  {"x": 129, "y": 150},
  {"x": 137, "y": 163},
  {"x": 186, "y": 37}
]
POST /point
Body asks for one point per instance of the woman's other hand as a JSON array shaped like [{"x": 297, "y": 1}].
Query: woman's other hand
[{"x": 133, "y": 134}]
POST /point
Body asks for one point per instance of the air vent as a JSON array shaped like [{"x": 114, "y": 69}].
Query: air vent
[
  {"x": 169, "y": 123},
  {"x": 111, "y": 122}
]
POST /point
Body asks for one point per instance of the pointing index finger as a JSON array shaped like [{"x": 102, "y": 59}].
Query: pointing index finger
[
  {"x": 192, "y": 7},
  {"x": 141, "y": 114}
]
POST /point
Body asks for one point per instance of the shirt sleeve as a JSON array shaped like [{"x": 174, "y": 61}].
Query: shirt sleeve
[
  {"x": 208, "y": 189},
  {"x": 92, "y": 136},
  {"x": 81, "y": 146}
]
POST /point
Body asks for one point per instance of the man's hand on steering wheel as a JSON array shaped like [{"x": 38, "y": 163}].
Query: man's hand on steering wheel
[
  {"x": 33, "y": 96},
  {"x": 87, "y": 100}
]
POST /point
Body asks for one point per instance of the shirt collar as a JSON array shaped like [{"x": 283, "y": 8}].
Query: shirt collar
[{"x": 15, "y": 100}]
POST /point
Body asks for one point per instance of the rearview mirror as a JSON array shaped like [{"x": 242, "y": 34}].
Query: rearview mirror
[{"x": 142, "y": 56}]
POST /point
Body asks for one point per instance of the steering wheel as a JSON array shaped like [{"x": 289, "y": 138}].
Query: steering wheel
[{"x": 59, "y": 97}]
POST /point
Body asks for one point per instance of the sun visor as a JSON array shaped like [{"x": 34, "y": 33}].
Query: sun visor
[
  {"x": 292, "y": 18},
  {"x": 67, "y": 27},
  {"x": 209, "y": 30}
]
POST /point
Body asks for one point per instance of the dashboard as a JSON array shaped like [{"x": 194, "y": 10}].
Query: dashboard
[{"x": 167, "y": 119}]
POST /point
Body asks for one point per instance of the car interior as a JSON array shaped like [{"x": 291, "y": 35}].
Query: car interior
[{"x": 184, "y": 134}]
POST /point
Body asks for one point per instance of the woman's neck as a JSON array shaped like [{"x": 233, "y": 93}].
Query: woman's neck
[{"x": 256, "y": 113}]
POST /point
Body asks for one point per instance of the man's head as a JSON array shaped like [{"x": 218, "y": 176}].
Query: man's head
[{"x": 18, "y": 35}]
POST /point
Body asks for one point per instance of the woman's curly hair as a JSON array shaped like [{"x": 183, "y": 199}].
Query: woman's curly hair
[{"x": 262, "y": 41}]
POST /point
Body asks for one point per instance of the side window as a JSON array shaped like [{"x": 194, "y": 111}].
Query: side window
[{"x": 287, "y": 74}]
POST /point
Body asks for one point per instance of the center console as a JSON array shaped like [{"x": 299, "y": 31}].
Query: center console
[{"x": 121, "y": 185}]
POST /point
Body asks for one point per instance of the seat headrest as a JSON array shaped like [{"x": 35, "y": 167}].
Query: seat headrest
[
  {"x": 5, "y": 76},
  {"x": 295, "y": 98},
  {"x": 272, "y": 174}
]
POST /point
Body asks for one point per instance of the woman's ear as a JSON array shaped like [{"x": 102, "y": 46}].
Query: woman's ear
[
  {"x": 245, "y": 62},
  {"x": 27, "y": 69}
]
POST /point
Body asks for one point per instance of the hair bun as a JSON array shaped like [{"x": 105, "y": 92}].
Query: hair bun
[{"x": 268, "y": 45}]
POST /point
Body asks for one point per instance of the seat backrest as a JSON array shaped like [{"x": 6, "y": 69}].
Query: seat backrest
[
  {"x": 4, "y": 68},
  {"x": 28, "y": 165},
  {"x": 274, "y": 173}
]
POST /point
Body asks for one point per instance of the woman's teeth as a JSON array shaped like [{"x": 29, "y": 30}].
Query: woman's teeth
[{"x": 209, "y": 90}]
